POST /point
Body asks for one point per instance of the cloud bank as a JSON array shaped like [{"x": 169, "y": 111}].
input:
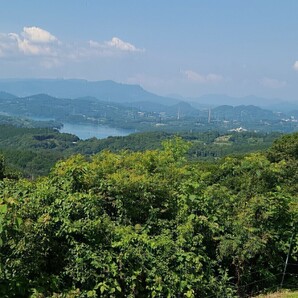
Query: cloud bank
[
  {"x": 117, "y": 43},
  {"x": 38, "y": 35},
  {"x": 272, "y": 83},
  {"x": 35, "y": 42},
  {"x": 113, "y": 47},
  {"x": 201, "y": 78},
  {"x": 32, "y": 41}
]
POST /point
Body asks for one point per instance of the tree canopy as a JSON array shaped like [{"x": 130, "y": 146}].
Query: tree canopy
[{"x": 150, "y": 224}]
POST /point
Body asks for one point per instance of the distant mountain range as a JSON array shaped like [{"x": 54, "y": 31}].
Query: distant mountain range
[
  {"x": 60, "y": 98},
  {"x": 5, "y": 95},
  {"x": 110, "y": 91},
  {"x": 145, "y": 115},
  {"x": 47, "y": 106},
  {"x": 243, "y": 113},
  {"x": 102, "y": 90},
  {"x": 213, "y": 100}
]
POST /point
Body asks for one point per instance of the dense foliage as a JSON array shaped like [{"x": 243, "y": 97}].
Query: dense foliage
[
  {"x": 151, "y": 224},
  {"x": 32, "y": 152}
]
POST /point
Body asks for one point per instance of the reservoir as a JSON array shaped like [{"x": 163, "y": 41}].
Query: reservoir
[{"x": 87, "y": 131}]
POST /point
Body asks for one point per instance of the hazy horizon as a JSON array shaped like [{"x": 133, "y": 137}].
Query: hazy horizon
[{"x": 169, "y": 95}]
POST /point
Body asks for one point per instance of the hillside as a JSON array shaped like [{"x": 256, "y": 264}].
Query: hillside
[
  {"x": 102, "y": 90},
  {"x": 243, "y": 113},
  {"x": 32, "y": 152},
  {"x": 146, "y": 115}
]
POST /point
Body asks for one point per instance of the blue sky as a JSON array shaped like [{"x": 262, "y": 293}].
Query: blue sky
[{"x": 190, "y": 48}]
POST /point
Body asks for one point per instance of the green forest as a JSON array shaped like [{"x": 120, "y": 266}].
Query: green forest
[
  {"x": 32, "y": 152},
  {"x": 165, "y": 221}
]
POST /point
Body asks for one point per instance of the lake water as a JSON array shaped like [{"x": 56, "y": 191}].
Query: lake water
[{"x": 87, "y": 131}]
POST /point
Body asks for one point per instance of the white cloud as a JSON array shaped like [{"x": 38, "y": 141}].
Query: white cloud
[
  {"x": 38, "y": 35},
  {"x": 96, "y": 49},
  {"x": 48, "y": 52},
  {"x": 95, "y": 44},
  {"x": 116, "y": 44},
  {"x": 26, "y": 47},
  {"x": 32, "y": 41},
  {"x": 202, "y": 79},
  {"x": 295, "y": 66},
  {"x": 272, "y": 83},
  {"x": 7, "y": 45}
]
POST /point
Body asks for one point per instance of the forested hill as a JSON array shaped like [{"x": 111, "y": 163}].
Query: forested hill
[
  {"x": 141, "y": 114},
  {"x": 32, "y": 152},
  {"x": 5, "y": 95},
  {"x": 152, "y": 224}
]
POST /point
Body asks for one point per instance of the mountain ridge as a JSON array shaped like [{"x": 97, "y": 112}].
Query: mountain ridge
[
  {"x": 111, "y": 91},
  {"x": 107, "y": 90}
]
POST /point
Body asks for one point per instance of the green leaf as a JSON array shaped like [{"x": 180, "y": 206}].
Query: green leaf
[
  {"x": 19, "y": 221},
  {"x": 91, "y": 294},
  {"x": 3, "y": 208},
  {"x": 102, "y": 288}
]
